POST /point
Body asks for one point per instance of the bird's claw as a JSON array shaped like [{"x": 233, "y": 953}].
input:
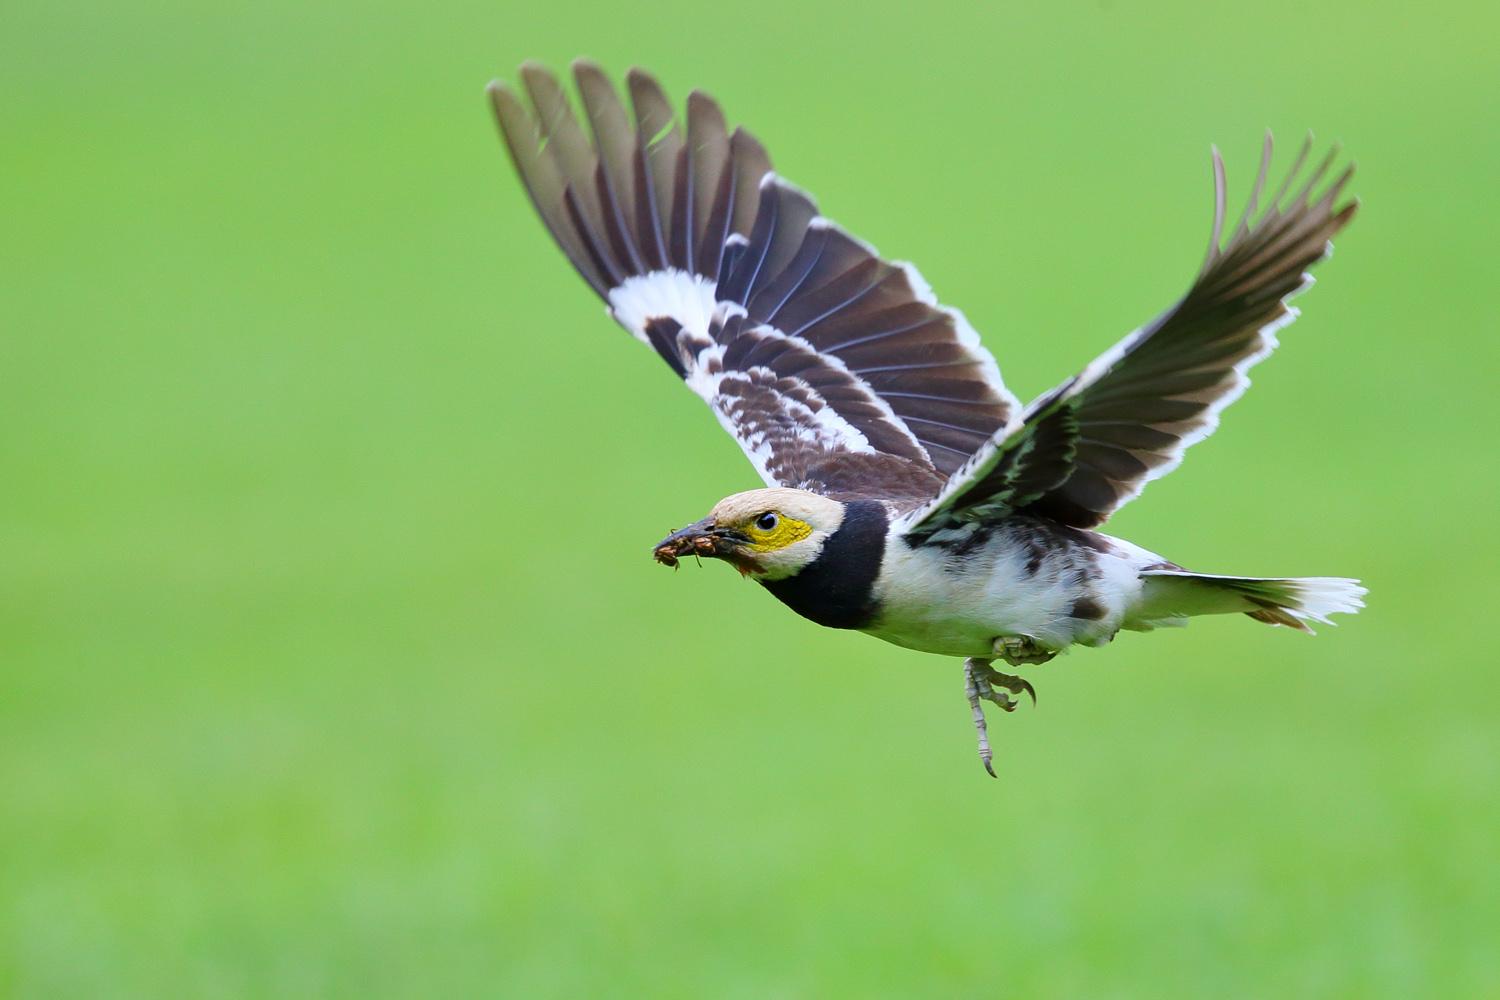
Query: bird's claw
[
  {"x": 980, "y": 680},
  {"x": 1016, "y": 685}
]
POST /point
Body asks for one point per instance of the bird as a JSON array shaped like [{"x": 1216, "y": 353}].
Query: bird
[{"x": 908, "y": 493}]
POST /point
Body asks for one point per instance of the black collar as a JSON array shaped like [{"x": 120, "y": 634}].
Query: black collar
[{"x": 837, "y": 589}]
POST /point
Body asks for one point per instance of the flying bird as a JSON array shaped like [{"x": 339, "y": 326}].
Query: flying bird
[{"x": 909, "y": 494}]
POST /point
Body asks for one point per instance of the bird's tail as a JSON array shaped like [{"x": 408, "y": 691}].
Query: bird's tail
[{"x": 1295, "y": 602}]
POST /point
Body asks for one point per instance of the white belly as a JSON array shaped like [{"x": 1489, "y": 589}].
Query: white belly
[{"x": 936, "y": 601}]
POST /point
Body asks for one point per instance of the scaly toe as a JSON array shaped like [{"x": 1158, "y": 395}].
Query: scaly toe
[
  {"x": 988, "y": 693},
  {"x": 989, "y": 678}
]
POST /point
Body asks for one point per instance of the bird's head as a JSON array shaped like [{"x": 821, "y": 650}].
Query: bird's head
[{"x": 770, "y": 534}]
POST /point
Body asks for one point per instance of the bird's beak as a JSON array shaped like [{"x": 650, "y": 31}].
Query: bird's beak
[{"x": 704, "y": 538}]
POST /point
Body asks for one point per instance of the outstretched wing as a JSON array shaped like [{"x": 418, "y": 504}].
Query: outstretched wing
[
  {"x": 835, "y": 370},
  {"x": 1090, "y": 445}
]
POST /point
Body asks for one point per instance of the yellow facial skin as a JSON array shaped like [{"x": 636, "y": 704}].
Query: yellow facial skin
[{"x": 787, "y": 531}]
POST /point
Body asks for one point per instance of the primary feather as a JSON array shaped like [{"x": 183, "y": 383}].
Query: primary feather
[
  {"x": 836, "y": 370},
  {"x": 1092, "y": 444}
]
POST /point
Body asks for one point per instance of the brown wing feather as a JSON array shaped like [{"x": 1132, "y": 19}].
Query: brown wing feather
[
  {"x": 811, "y": 349},
  {"x": 1095, "y": 441}
]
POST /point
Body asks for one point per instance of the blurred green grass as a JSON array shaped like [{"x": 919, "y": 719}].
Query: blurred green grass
[{"x": 331, "y": 659}]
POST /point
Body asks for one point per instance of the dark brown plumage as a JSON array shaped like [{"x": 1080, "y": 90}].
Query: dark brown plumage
[
  {"x": 1089, "y": 446},
  {"x": 818, "y": 319}
]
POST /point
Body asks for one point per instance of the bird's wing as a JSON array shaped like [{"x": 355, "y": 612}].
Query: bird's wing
[
  {"x": 836, "y": 370},
  {"x": 1089, "y": 446}
]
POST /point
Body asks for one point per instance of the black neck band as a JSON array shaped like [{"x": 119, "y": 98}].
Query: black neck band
[{"x": 837, "y": 589}]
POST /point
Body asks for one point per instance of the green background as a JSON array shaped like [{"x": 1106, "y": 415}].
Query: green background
[{"x": 332, "y": 660}]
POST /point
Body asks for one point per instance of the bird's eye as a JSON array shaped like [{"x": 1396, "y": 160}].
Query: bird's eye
[{"x": 767, "y": 521}]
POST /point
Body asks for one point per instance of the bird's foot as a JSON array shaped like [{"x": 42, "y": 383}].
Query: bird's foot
[
  {"x": 980, "y": 681},
  {"x": 1022, "y": 650}
]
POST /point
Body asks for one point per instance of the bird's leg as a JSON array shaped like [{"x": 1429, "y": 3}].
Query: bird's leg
[
  {"x": 972, "y": 687},
  {"x": 979, "y": 686}
]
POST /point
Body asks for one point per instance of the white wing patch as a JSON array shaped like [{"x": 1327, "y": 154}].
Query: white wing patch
[{"x": 687, "y": 298}]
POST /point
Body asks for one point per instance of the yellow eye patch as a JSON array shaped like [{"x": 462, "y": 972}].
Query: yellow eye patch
[{"x": 786, "y": 531}]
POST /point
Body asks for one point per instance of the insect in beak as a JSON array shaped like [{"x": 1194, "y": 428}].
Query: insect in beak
[{"x": 703, "y": 538}]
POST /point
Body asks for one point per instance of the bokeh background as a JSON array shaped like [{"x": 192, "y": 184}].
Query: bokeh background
[{"x": 332, "y": 661}]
